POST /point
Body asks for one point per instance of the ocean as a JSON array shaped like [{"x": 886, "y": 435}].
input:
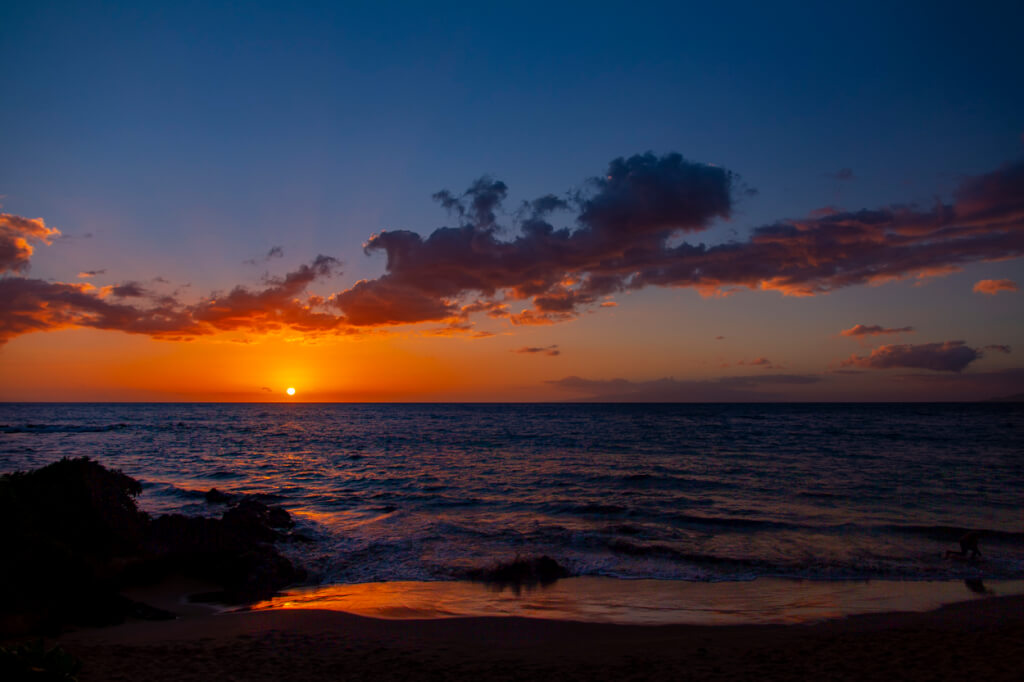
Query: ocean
[{"x": 712, "y": 492}]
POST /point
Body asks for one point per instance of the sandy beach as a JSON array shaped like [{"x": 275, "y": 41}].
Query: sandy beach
[{"x": 981, "y": 639}]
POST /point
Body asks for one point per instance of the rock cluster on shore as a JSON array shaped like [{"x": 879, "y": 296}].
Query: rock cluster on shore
[
  {"x": 74, "y": 536},
  {"x": 520, "y": 572}
]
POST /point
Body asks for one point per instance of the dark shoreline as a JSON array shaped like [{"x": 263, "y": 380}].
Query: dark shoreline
[{"x": 982, "y": 639}]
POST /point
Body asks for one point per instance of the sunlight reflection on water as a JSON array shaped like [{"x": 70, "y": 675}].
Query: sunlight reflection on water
[{"x": 642, "y": 602}]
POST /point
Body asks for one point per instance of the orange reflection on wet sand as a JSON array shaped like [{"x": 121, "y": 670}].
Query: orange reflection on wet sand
[{"x": 646, "y": 602}]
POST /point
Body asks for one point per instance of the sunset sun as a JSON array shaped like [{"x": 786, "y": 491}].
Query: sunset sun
[{"x": 290, "y": 391}]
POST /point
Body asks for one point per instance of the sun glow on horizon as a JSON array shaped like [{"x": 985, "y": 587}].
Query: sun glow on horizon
[{"x": 290, "y": 391}]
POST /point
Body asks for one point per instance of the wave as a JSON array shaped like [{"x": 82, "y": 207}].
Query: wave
[
  {"x": 60, "y": 428},
  {"x": 588, "y": 509},
  {"x": 952, "y": 533}
]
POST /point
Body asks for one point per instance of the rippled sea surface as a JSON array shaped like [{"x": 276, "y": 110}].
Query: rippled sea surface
[{"x": 693, "y": 492}]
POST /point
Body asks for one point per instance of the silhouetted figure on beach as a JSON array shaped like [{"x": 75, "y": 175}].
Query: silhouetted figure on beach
[{"x": 968, "y": 544}]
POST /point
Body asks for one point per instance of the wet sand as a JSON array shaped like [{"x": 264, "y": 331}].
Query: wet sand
[
  {"x": 592, "y": 599},
  {"x": 979, "y": 639}
]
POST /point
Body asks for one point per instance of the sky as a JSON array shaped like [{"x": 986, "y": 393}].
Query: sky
[{"x": 382, "y": 201}]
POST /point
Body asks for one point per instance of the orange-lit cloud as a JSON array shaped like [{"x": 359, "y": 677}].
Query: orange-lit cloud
[
  {"x": 15, "y": 234},
  {"x": 28, "y": 305},
  {"x": 994, "y": 286},
  {"x": 874, "y": 330},
  {"x": 623, "y": 235},
  {"x": 273, "y": 308}
]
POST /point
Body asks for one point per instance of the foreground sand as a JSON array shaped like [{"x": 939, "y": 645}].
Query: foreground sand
[{"x": 981, "y": 640}]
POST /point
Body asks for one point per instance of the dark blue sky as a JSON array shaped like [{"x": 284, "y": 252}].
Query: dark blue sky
[{"x": 346, "y": 119}]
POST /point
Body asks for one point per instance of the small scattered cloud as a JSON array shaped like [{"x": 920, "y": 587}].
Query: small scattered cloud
[
  {"x": 999, "y": 348},
  {"x": 541, "y": 350},
  {"x": 858, "y": 330},
  {"x": 719, "y": 338},
  {"x": 129, "y": 290},
  {"x": 85, "y": 274},
  {"x": 950, "y": 356},
  {"x": 760, "y": 362},
  {"x": 274, "y": 252},
  {"x": 842, "y": 174},
  {"x": 991, "y": 287}
]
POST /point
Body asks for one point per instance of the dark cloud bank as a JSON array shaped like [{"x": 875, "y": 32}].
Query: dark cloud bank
[
  {"x": 951, "y": 356},
  {"x": 630, "y": 228},
  {"x": 874, "y": 330},
  {"x": 670, "y": 390},
  {"x": 783, "y": 387}
]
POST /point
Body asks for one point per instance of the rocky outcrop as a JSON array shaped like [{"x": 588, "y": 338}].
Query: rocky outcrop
[
  {"x": 73, "y": 536},
  {"x": 234, "y": 551},
  {"x": 521, "y": 572}
]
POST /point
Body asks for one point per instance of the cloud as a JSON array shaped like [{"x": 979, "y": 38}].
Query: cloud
[
  {"x": 994, "y": 286},
  {"x": 969, "y": 385},
  {"x": 632, "y": 209},
  {"x": 274, "y": 307},
  {"x": 533, "y": 350},
  {"x": 90, "y": 273},
  {"x": 15, "y": 234},
  {"x": 842, "y": 174},
  {"x": 759, "y": 362},
  {"x": 725, "y": 389},
  {"x": 625, "y": 236},
  {"x": 274, "y": 252},
  {"x": 631, "y": 227},
  {"x": 874, "y": 330},
  {"x": 28, "y": 305},
  {"x": 950, "y": 356},
  {"x": 1001, "y": 348},
  {"x": 129, "y": 290}
]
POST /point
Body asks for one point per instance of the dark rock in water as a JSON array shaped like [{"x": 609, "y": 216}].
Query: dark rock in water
[
  {"x": 533, "y": 571},
  {"x": 214, "y": 496},
  {"x": 233, "y": 552},
  {"x": 74, "y": 537},
  {"x": 250, "y": 515},
  {"x": 76, "y": 503},
  {"x": 67, "y": 528}
]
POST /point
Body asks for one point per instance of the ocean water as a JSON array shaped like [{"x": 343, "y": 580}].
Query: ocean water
[{"x": 686, "y": 492}]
